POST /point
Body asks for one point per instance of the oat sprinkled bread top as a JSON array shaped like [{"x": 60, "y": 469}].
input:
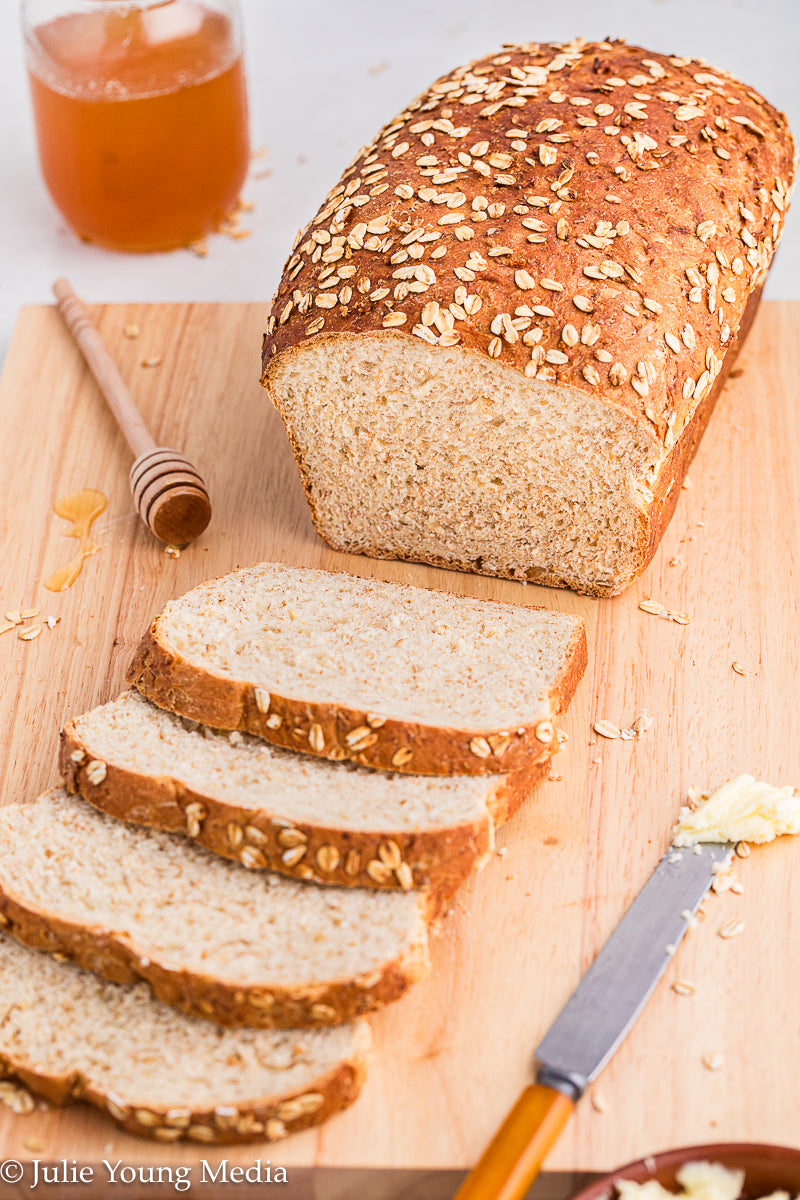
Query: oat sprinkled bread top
[
  {"x": 552, "y": 160},
  {"x": 580, "y": 226}
]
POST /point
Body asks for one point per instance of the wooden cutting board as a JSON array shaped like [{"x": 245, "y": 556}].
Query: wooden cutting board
[{"x": 451, "y": 1057}]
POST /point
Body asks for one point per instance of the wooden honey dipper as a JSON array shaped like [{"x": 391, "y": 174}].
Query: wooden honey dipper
[{"x": 168, "y": 492}]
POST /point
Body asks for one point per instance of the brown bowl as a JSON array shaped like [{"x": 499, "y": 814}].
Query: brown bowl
[{"x": 766, "y": 1168}]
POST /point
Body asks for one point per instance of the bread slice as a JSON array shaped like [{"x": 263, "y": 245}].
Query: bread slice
[
  {"x": 246, "y": 800},
  {"x": 210, "y": 938},
  {"x": 383, "y": 674},
  {"x": 69, "y": 1036}
]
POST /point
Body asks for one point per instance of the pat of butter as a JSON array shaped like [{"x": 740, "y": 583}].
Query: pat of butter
[
  {"x": 697, "y": 1180},
  {"x": 710, "y": 1181},
  {"x": 742, "y": 810}
]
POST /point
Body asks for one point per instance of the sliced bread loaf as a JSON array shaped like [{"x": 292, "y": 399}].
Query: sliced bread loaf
[
  {"x": 498, "y": 343},
  {"x": 386, "y": 675},
  {"x": 70, "y": 1036},
  {"x": 210, "y": 938},
  {"x": 247, "y": 800}
]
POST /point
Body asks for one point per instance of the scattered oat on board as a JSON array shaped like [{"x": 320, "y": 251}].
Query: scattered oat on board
[
  {"x": 738, "y": 668},
  {"x": 714, "y": 1062},
  {"x": 599, "y": 1103},
  {"x": 683, "y": 987},
  {"x": 155, "y": 361},
  {"x": 16, "y": 1097},
  {"x": 172, "y": 551},
  {"x": 723, "y": 880},
  {"x": 130, "y": 330},
  {"x": 656, "y": 609},
  {"x": 732, "y": 929},
  {"x": 606, "y": 729}
]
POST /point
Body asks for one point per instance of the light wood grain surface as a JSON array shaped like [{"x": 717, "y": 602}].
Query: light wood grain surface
[{"x": 452, "y": 1056}]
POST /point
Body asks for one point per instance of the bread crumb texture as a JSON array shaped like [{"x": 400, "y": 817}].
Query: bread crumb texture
[
  {"x": 248, "y": 773},
  {"x": 391, "y": 650},
  {"x": 152, "y": 897},
  {"x": 488, "y": 342},
  {"x": 161, "y": 1074}
]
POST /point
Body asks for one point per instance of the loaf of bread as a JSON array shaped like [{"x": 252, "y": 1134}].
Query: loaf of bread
[
  {"x": 209, "y": 937},
  {"x": 382, "y": 674},
  {"x": 270, "y": 808},
  {"x": 498, "y": 343},
  {"x": 67, "y": 1035}
]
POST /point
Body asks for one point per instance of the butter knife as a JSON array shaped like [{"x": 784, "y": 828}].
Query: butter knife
[{"x": 595, "y": 1020}]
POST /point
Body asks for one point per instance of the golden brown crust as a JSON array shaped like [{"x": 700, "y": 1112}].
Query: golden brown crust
[
  {"x": 345, "y": 733},
  {"x": 263, "y": 1119},
  {"x": 594, "y": 214},
  {"x": 302, "y": 1007},
  {"x": 436, "y": 860}
]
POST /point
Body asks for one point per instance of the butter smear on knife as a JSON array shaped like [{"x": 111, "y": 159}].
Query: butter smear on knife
[{"x": 742, "y": 810}]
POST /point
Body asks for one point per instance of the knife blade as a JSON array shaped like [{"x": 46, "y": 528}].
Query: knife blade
[
  {"x": 596, "y": 1018},
  {"x": 620, "y": 981}
]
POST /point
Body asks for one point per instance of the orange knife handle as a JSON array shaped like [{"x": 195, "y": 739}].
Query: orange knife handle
[{"x": 514, "y": 1157}]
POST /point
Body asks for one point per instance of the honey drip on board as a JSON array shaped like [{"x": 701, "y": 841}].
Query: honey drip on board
[{"x": 82, "y": 509}]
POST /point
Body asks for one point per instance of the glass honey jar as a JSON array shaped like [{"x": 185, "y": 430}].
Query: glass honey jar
[{"x": 141, "y": 115}]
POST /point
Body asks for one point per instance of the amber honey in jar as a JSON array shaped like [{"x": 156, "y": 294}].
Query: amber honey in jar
[{"x": 141, "y": 115}]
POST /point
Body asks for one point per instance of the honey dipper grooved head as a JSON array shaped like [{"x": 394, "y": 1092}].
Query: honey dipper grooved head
[{"x": 170, "y": 495}]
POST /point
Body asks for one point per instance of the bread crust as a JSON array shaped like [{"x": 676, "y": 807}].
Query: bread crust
[
  {"x": 305, "y": 1006},
  {"x": 438, "y": 860},
  {"x": 677, "y": 174},
  {"x": 266, "y": 1118},
  {"x": 171, "y": 682},
  {"x": 675, "y": 468}
]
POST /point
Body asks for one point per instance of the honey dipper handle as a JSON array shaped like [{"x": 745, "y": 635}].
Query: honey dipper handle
[
  {"x": 168, "y": 491},
  {"x": 104, "y": 369}
]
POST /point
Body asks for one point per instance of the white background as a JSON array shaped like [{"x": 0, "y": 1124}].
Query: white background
[{"x": 323, "y": 76}]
